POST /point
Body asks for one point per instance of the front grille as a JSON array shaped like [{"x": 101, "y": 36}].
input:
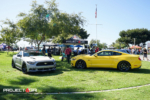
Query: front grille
[
  {"x": 44, "y": 69},
  {"x": 44, "y": 63}
]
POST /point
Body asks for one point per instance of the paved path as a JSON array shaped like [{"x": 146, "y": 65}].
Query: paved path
[{"x": 141, "y": 56}]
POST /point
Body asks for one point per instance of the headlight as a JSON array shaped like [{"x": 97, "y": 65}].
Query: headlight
[{"x": 31, "y": 62}]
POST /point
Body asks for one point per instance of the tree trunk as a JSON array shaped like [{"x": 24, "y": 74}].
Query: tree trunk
[{"x": 38, "y": 46}]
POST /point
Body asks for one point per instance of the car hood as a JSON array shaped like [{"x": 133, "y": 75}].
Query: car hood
[{"x": 38, "y": 58}]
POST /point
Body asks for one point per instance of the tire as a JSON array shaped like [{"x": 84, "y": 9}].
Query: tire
[
  {"x": 80, "y": 64},
  {"x": 24, "y": 68},
  {"x": 124, "y": 66},
  {"x": 13, "y": 64}
]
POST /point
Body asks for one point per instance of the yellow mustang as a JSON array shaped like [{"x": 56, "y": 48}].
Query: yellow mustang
[{"x": 107, "y": 59}]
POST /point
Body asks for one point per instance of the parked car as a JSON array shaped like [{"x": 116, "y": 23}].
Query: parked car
[
  {"x": 33, "y": 61},
  {"x": 15, "y": 49},
  {"x": 107, "y": 59},
  {"x": 27, "y": 48}
]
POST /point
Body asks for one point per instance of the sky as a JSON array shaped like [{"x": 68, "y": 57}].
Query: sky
[{"x": 114, "y": 15}]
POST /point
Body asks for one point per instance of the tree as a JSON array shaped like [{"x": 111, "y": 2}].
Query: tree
[
  {"x": 42, "y": 23},
  {"x": 100, "y": 45},
  {"x": 83, "y": 34},
  {"x": 94, "y": 42},
  {"x": 104, "y": 45},
  {"x": 10, "y": 35},
  {"x": 117, "y": 44},
  {"x": 61, "y": 38},
  {"x": 1, "y": 40},
  {"x": 141, "y": 36}
]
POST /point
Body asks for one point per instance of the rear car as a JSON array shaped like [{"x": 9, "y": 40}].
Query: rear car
[{"x": 107, "y": 59}]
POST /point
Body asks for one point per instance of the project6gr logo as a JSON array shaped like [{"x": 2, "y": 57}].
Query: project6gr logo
[{"x": 17, "y": 90}]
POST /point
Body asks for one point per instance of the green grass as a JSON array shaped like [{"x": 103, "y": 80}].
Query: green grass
[
  {"x": 141, "y": 93},
  {"x": 68, "y": 79}
]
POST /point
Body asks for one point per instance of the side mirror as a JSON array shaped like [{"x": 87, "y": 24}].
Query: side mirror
[
  {"x": 95, "y": 55},
  {"x": 19, "y": 56}
]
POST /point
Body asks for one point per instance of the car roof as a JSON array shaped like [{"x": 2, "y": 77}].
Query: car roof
[{"x": 116, "y": 51}]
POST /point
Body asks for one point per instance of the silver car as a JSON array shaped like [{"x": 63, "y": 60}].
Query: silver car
[{"x": 33, "y": 61}]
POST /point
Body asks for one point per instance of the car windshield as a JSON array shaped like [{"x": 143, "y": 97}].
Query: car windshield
[{"x": 27, "y": 54}]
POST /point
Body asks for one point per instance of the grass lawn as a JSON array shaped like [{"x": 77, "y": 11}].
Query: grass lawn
[
  {"x": 68, "y": 79},
  {"x": 131, "y": 94}
]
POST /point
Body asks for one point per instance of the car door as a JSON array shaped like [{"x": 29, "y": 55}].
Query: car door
[
  {"x": 103, "y": 60},
  {"x": 116, "y": 57},
  {"x": 18, "y": 59}
]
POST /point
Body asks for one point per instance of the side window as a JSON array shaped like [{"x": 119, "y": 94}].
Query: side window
[
  {"x": 100, "y": 54},
  {"x": 116, "y": 53},
  {"x": 105, "y": 53}
]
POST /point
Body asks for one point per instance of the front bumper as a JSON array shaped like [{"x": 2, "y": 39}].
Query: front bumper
[
  {"x": 73, "y": 63},
  {"x": 34, "y": 68}
]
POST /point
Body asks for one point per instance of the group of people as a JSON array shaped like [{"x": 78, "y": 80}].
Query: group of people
[
  {"x": 87, "y": 51},
  {"x": 139, "y": 51},
  {"x": 145, "y": 52},
  {"x": 135, "y": 51},
  {"x": 49, "y": 52},
  {"x": 67, "y": 52}
]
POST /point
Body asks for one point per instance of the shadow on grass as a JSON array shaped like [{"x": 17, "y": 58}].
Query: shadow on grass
[
  {"x": 45, "y": 89},
  {"x": 2, "y": 51},
  {"x": 10, "y": 55},
  {"x": 64, "y": 66},
  {"x": 49, "y": 73},
  {"x": 14, "y": 96},
  {"x": 140, "y": 71},
  {"x": 22, "y": 81}
]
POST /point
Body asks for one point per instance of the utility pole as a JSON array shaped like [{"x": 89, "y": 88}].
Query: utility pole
[
  {"x": 96, "y": 22},
  {"x": 134, "y": 43}
]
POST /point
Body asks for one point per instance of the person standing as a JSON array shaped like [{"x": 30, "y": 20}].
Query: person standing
[
  {"x": 132, "y": 51},
  {"x": 129, "y": 50},
  {"x": 43, "y": 50},
  {"x": 78, "y": 51},
  {"x": 49, "y": 52},
  {"x": 63, "y": 56},
  {"x": 68, "y": 53},
  {"x": 145, "y": 54},
  {"x": 59, "y": 51},
  {"x": 88, "y": 50},
  {"x": 97, "y": 49},
  {"x": 139, "y": 51}
]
